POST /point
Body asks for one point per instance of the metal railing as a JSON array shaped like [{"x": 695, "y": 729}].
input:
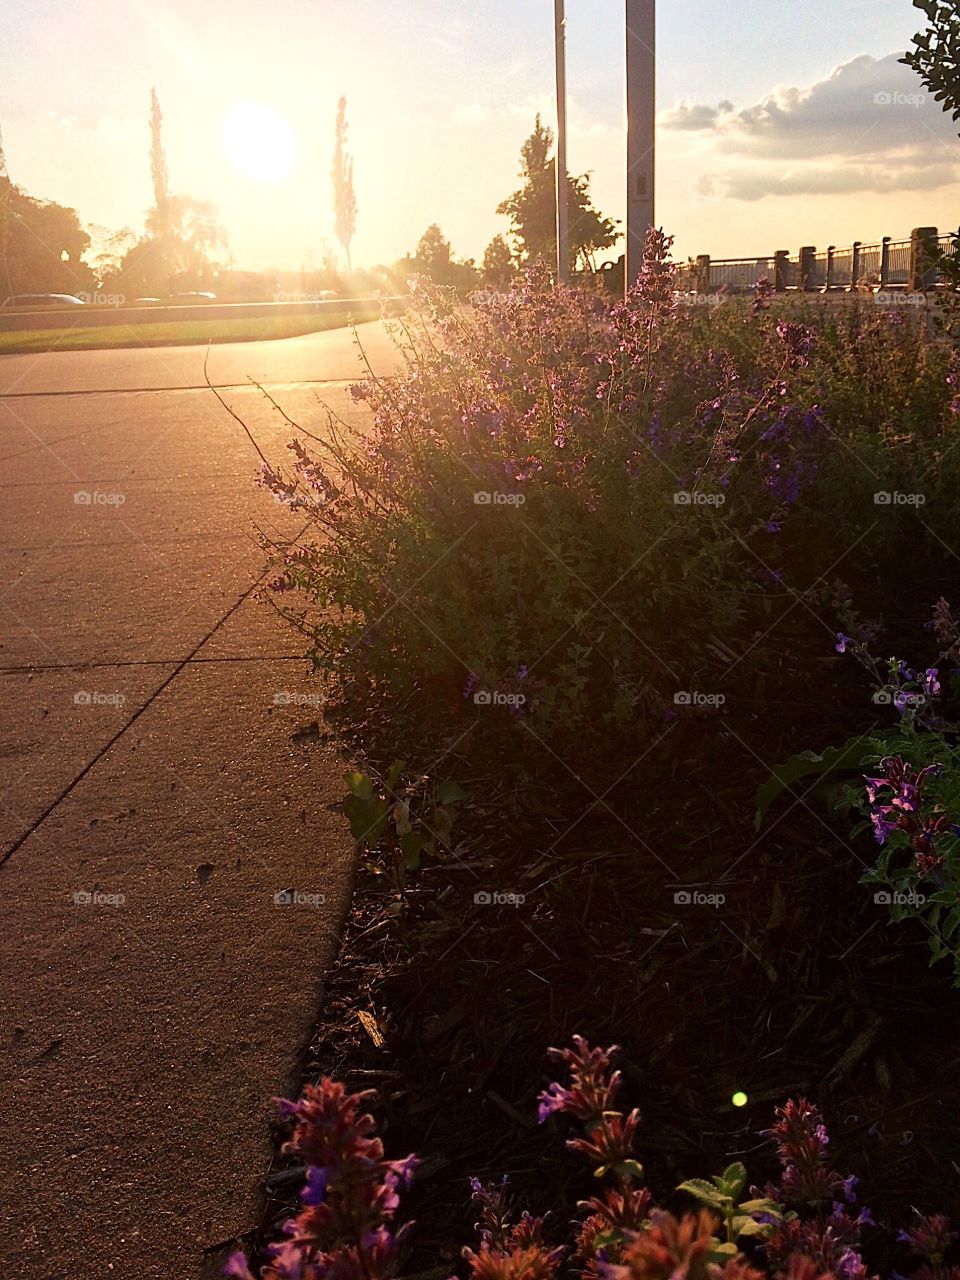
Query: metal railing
[
  {"x": 912, "y": 263},
  {"x": 899, "y": 259},
  {"x": 738, "y": 274}
]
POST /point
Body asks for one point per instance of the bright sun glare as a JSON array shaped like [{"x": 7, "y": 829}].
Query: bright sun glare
[{"x": 259, "y": 142}]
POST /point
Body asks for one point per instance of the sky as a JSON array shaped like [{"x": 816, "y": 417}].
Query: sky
[{"x": 779, "y": 124}]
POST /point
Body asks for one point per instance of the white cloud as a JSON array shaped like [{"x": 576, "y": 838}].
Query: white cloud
[{"x": 867, "y": 127}]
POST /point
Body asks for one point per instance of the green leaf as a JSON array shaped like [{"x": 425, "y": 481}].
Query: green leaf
[
  {"x": 367, "y": 818},
  {"x": 852, "y": 755},
  {"x": 733, "y": 1179},
  {"x": 761, "y": 1206},
  {"x": 359, "y": 784},
  {"x": 746, "y": 1226},
  {"x": 394, "y": 772},
  {"x": 704, "y": 1191},
  {"x": 450, "y": 793},
  {"x": 411, "y": 846}
]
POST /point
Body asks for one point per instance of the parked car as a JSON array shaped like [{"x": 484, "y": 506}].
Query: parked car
[
  {"x": 193, "y": 297},
  {"x": 24, "y": 301}
]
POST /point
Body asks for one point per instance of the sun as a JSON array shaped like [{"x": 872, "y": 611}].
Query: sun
[{"x": 259, "y": 142}]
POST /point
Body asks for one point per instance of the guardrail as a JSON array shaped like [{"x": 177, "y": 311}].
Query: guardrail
[
  {"x": 914, "y": 264},
  {"x": 80, "y": 317}
]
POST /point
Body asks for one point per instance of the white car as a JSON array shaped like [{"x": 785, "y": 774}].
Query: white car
[{"x": 25, "y": 301}]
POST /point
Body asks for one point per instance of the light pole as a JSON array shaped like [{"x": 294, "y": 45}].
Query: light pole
[
  {"x": 563, "y": 233},
  {"x": 641, "y": 130}
]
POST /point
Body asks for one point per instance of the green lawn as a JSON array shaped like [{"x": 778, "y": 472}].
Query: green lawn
[{"x": 165, "y": 333}]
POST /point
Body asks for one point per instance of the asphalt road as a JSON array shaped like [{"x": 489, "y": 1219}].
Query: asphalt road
[{"x": 155, "y": 797}]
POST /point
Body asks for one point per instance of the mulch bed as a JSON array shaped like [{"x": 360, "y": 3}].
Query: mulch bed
[{"x": 798, "y": 983}]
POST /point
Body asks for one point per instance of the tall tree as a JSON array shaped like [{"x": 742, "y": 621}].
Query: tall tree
[
  {"x": 344, "y": 197},
  {"x": 498, "y": 268},
  {"x": 532, "y": 209},
  {"x": 158, "y": 163},
  {"x": 434, "y": 251},
  {"x": 5, "y": 192}
]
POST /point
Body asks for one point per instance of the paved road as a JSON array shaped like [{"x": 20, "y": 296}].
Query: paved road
[{"x": 147, "y": 766}]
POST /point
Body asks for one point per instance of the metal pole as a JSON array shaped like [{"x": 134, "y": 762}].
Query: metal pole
[
  {"x": 563, "y": 233},
  {"x": 641, "y": 130}
]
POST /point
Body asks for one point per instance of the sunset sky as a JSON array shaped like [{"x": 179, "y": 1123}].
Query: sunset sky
[{"x": 770, "y": 132}]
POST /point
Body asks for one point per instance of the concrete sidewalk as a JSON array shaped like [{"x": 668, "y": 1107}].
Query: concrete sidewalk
[{"x": 157, "y": 808}]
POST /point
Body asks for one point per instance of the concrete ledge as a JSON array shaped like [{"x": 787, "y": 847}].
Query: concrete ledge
[{"x": 79, "y": 317}]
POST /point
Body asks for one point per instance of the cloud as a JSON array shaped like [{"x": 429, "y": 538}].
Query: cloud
[
  {"x": 867, "y": 127},
  {"x": 693, "y": 117}
]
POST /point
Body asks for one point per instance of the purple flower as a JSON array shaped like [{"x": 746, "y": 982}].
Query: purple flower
[{"x": 842, "y": 642}]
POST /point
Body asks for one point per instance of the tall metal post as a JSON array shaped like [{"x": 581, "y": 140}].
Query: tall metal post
[
  {"x": 641, "y": 130},
  {"x": 563, "y": 232}
]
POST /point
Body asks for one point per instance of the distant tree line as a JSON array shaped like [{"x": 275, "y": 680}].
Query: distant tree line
[{"x": 45, "y": 249}]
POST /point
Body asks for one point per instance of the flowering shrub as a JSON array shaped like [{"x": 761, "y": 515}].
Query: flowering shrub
[
  {"x": 910, "y": 798},
  {"x": 807, "y": 1225},
  {"x": 345, "y": 1230},
  {"x": 560, "y": 500}
]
